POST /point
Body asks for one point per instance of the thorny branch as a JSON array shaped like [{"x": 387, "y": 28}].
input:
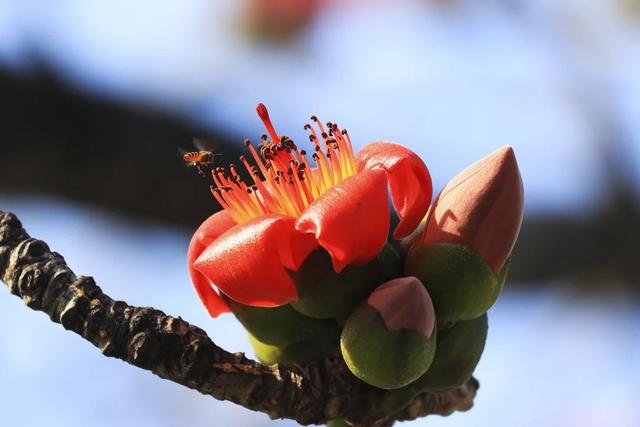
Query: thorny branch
[{"x": 173, "y": 349}]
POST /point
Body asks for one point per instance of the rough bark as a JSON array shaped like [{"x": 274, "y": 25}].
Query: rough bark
[{"x": 178, "y": 351}]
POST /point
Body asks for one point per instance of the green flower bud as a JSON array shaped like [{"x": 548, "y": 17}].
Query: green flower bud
[
  {"x": 396, "y": 400},
  {"x": 468, "y": 237},
  {"x": 325, "y": 294},
  {"x": 459, "y": 280},
  {"x": 298, "y": 352},
  {"x": 458, "y": 352},
  {"x": 389, "y": 341},
  {"x": 281, "y": 325}
]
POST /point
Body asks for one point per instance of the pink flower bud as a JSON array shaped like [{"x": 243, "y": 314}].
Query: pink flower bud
[
  {"x": 482, "y": 208},
  {"x": 404, "y": 303}
]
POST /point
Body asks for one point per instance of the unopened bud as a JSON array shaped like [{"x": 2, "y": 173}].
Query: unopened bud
[
  {"x": 458, "y": 351},
  {"x": 482, "y": 208},
  {"x": 389, "y": 341},
  {"x": 468, "y": 237}
]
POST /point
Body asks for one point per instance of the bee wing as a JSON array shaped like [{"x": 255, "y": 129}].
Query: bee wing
[
  {"x": 202, "y": 145},
  {"x": 205, "y": 145}
]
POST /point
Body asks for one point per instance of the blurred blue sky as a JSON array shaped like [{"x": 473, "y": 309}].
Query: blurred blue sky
[
  {"x": 451, "y": 79},
  {"x": 553, "y": 358}
]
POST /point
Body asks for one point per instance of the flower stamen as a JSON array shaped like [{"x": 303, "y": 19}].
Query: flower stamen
[{"x": 284, "y": 182}]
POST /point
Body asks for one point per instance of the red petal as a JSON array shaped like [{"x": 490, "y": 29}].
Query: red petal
[
  {"x": 248, "y": 262},
  {"x": 409, "y": 179},
  {"x": 350, "y": 220},
  {"x": 212, "y": 228}
]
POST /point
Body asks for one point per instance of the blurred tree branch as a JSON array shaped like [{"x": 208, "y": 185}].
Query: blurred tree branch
[{"x": 178, "y": 351}]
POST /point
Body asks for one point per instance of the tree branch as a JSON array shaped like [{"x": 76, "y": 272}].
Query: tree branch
[{"x": 178, "y": 351}]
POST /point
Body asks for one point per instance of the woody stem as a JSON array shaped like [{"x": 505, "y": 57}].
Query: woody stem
[{"x": 183, "y": 353}]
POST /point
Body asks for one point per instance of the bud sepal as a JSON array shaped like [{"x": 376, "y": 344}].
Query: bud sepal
[
  {"x": 460, "y": 282},
  {"x": 281, "y": 326},
  {"x": 325, "y": 294},
  {"x": 298, "y": 352}
]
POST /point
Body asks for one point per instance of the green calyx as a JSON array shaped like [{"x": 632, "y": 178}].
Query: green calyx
[
  {"x": 381, "y": 357},
  {"x": 458, "y": 352},
  {"x": 280, "y": 326},
  {"x": 461, "y": 284},
  {"x": 325, "y": 294},
  {"x": 298, "y": 352}
]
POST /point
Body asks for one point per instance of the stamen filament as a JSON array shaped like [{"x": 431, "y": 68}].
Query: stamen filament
[{"x": 284, "y": 182}]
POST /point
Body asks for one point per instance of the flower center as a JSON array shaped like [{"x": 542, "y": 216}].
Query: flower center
[{"x": 284, "y": 181}]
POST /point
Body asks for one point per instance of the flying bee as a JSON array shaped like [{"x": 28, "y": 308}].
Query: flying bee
[{"x": 201, "y": 160}]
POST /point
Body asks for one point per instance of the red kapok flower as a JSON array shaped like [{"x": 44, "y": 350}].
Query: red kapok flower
[{"x": 336, "y": 200}]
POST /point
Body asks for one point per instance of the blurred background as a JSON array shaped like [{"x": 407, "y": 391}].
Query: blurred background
[{"x": 97, "y": 99}]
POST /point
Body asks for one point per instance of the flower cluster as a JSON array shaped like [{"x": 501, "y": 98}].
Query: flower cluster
[{"x": 301, "y": 254}]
